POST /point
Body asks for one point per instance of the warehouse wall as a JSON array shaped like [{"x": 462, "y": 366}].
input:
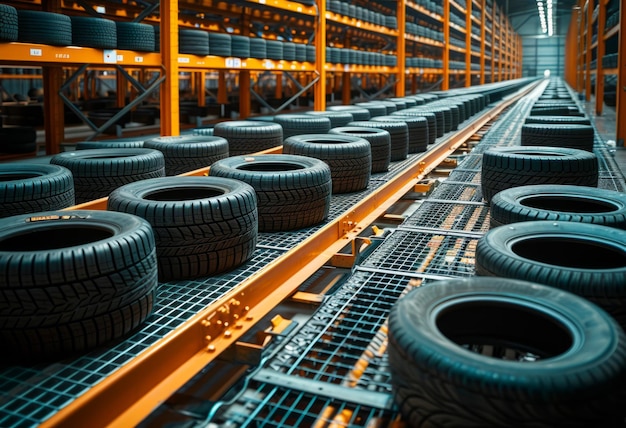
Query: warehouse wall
[{"x": 542, "y": 54}]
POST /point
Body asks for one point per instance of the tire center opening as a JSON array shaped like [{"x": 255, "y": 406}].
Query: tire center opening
[
  {"x": 504, "y": 330},
  {"x": 54, "y": 238},
  {"x": 15, "y": 177},
  {"x": 571, "y": 252},
  {"x": 270, "y": 166},
  {"x": 563, "y": 203},
  {"x": 183, "y": 194}
]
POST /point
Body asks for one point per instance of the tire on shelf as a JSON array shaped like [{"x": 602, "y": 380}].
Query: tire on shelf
[
  {"x": 81, "y": 279},
  {"x": 93, "y": 32},
  {"x": 30, "y": 188},
  {"x": 551, "y": 358},
  {"x": 110, "y": 144},
  {"x": 506, "y": 167},
  {"x": 186, "y": 153},
  {"x": 98, "y": 172},
  {"x": 348, "y": 157},
  {"x": 298, "y": 124},
  {"x": 380, "y": 144},
  {"x": 194, "y": 42},
  {"x": 248, "y": 136},
  {"x": 202, "y": 225},
  {"x": 293, "y": 192},
  {"x": 35, "y": 26},
  {"x": 135, "y": 36},
  {"x": 8, "y": 23},
  {"x": 585, "y": 259},
  {"x": 559, "y": 203},
  {"x": 573, "y": 136}
]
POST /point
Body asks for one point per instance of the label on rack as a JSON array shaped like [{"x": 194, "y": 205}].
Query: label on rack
[
  {"x": 109, "y": 56},
  {"x": 35, "y": 52},
  {"x": 183, "y": 60},
  {"x": 138, "y": 59},
  {"x": 233, "y": 62}
]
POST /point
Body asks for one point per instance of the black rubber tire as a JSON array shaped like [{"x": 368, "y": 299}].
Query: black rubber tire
[
  {"x": 186, "y": 153},
  {"x": 202, "y": 225},
  {"x": 94, "y": 32},
  {"x": 506, "y": 167},
  {"x": 135, "y": 36},
  {"x": 240, "y": 46},
  {"x": 430, "y": 118},
  {"x": 249, "y": 136},
  {"x": 98, "y": 172},
  {"x": 109, "y": 144},
  {"x": 293, "y": 192},
  {"x": 220, "y": 44},
  {"x": 299, "y": 124},
  {"x": 22, "y": 139},
  {"x": 30, "y": 188},
  {"x": 556, "y": 111},
  {"x": 585, "y": 259},
  {"x": 8, "y": 23},
  {"x": 258, "y": 48},
  {"x": 417, "y": 127},
  {"x": 449, "y": 367},
  {"x": 348, "y": 157},
  {"x": 289, "y": 51},
  {"x": 194, "y": 42},
  {"x": 375, "y": 108},
  {"x": 79, "y": 280},
  {"x": 399, "y": 132},
  {"x": 358, "y": 113},
  {"x": 558, "y": 135},
  {"x": 559, "y": 203},
  {"x": 569, "y": 120},
  {"x": 337, "y": 118},
  {"x": 380, "y": 144},
  {"x": 35, "y": 26}
]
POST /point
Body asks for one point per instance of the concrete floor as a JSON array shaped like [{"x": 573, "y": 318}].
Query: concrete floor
[{"x": 605, "y": 126}]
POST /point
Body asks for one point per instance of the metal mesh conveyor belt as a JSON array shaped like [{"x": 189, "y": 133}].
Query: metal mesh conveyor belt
[
  {"x": 30, "y": 395},
  {"x": 343, "y": 344}
]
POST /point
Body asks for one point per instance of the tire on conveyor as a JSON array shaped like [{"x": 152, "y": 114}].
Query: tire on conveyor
[
  {"x": 337, "y": 118},
  {"x": 202, "y": 225},
  {"x": 358, "y": 113},
  {"x": 80, "y": 280},
  {"x": 348, "y": 157},
  {"x": 559, "y": 203},
  {"x": 399, "y": 132},
  {"x": 568, "y": 120},
  {"x": 293, "y": 192},
  {"x": 19, "y": 139},
  {"x": 564, "y": 365},
  {"x": 506, "y": 167},
  {"x": 186, "y": 153},
  {"x": 249, "y": 136},
  {"x": 298, "y": 124},
  {"x": 29, "y": 188},
  {"x": 109, "y": 144},
  {"x": 98, "y": 172},
  {"x": 573, "y": 136},
  {"x": 418, "y": 130},
  {"x": 585, "y": 259},
  {"x": 380, "y": 144}
]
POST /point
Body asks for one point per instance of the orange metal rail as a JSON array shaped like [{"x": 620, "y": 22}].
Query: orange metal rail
[{"x": 130, "y": 394}]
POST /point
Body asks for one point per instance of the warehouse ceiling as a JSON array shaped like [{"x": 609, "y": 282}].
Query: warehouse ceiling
[{"x": 524, "y": 16}]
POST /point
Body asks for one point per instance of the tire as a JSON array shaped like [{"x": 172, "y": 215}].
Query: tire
[
  {"x": 568, "y": 120},
  {"x": 399, "y": 132},
  {"x": 417, "y": 127},
  {"x": 559, "y": 203},
  {"x": 550, "y": 360},
  {"x": 292, "y": 191},
  {"x": 194, "y": 42},
  {"x": 585, "y": 259},
  {"x": 348, "y": 157},
  {"x": 18, "y": 140},
  {"x": 94, "y": 32},
  {"x": 98, "y": 172},
  {"x": 258, "y": 48},
  {"x": 248, "y": 136},
  {"x": 220, "y": 44},
  {"x": 189, "y": 152},
  {"x": 109, "y": 144},
  {"x": 48, "y": 28},
  {"x": 83, "y": 278},
  {"x": 298, "y": 124},
  {"x": 358, "y": 113},
  {"x": 572, "y": 136},
  {"x": 555, "y": 111},
  {"x": 375, "y": 108},
  {"x": 506, "y": 167},
  {"x": 31, "y": 188},
  {"x": 135, "y": 36},
  {"x": 380, "y": 144},
  {"x": 8, "y": 23},
  {"x": 431, "y": 119},
  {"x": 240, "y": 46},
  {"x": 202, "y": 225},
  {"x": 337, "y": 118}
]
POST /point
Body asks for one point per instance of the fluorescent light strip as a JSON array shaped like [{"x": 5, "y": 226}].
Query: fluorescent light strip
[
  {"x": 549, "y": 17},
  {"x": 542, "y": 15}
]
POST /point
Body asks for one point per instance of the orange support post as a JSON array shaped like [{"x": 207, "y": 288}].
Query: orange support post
[
  {"x": 621, "y": 73},
  {"x": 468, "y": 44},
  {"x": 483, "y": 42},
  {"x": 588, "y": 51},
  {"x": 244, "y": 94},
  {"x": 169, "y": 99},
  {"x": 600, "y": 50},
  {"x": 54, "y": 127},
  {"x": 445, "y": 84},
  {"x": 320, "y": 57},
  {"x": 401, "y": 46}
]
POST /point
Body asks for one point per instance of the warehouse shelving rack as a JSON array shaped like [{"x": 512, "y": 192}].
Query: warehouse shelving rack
[
  {"x": 499, "y": 59},
  {"x": 586, "y": 47}
]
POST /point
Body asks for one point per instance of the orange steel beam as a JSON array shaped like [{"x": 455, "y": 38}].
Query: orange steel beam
[
  {"x": 401, "y": 46},
  {"x": 445, "y": 84},
  {"x": 588, "y": 51},
  {"x": 131, "y": 393},
  {"x": 468, "y": 45},
  {"x": 169, "y": 96},
  {"x": 600, "y": 49},
  {"x": 620, "y": 109},
  {"x": 319, "y": 98},
  {"x": 483, "y": 31}
]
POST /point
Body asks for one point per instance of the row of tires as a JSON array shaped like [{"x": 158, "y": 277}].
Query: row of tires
[{"x": 537, "y": 338}]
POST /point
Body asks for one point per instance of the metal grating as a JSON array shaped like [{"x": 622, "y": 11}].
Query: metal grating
[
  {"x": 470, "y": 162},
  {"x": 438, "y": 255},
  {"x": 465, "y": 176},
  {"x": 457, "y": 191},
  {"x": 450, "y": 215}
]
